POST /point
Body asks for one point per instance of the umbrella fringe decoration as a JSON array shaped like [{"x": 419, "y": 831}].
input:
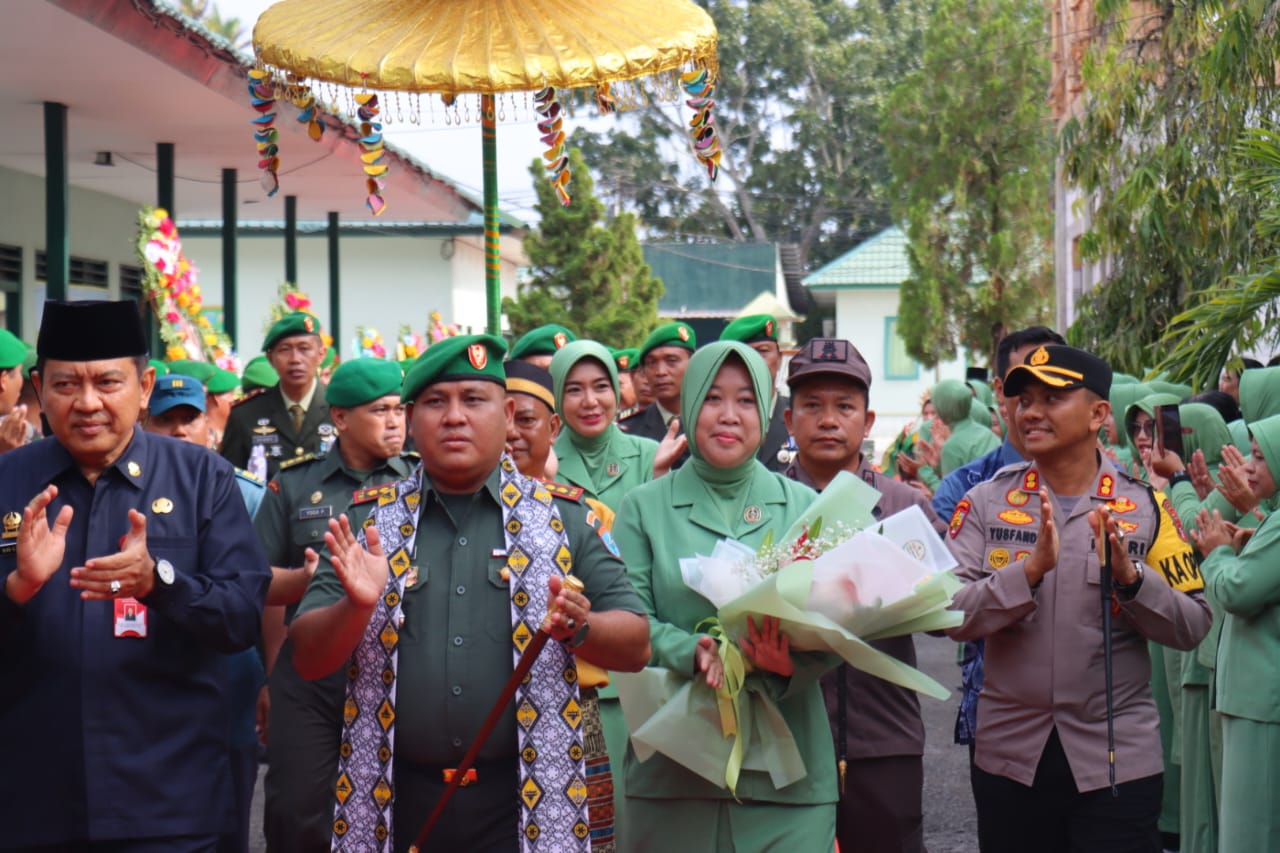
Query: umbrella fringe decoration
[{"x": 549, "y": 106}]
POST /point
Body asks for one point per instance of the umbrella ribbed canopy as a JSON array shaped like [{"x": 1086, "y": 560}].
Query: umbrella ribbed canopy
[{"x": 484, "y": 46}]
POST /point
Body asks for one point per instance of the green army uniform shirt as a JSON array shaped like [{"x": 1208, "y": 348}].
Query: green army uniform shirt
[
  {"x": 261, "y": 420},
  {"x": 455, "y": 650},
  {"x": 306, "y": 493}
]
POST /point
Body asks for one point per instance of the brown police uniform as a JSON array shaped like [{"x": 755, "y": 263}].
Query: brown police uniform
[{"x": 1044, "y": 657}]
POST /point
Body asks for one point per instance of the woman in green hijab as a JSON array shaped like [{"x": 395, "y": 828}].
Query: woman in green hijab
[
  {"x": 1240, "y": 575},
  {"x": 593, "y": 452},
  {"x": 722, "y": 492}
]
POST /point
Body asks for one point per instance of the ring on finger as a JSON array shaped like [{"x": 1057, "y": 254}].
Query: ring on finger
[
  {"x": 115, "y": 587},
  {"x": 571, "y": 623}
]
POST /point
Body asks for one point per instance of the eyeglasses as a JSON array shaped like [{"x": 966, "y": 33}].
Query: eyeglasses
[{"x": 1136, "y": 429}]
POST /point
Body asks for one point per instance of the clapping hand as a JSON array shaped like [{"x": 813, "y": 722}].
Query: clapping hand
[
  {"x": 362, "y": 570},
  {"x": 41, "y": 547},
  {"x": 1233, "y": 481},
  {"x": 669, "y": 449},
  {"x": 130, "y": 572},
  {"x": 706, "y": 658}
]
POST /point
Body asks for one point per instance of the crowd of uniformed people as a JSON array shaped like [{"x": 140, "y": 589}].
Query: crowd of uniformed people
[{"x": 341, "y": 567}]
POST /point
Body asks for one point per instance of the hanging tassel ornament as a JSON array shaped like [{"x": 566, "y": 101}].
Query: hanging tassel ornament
[
  {"x": 309, "y": 111},
  {"x": 373, "y": 150},
  {"x": 262, "y": 96},
  {"x": 551, "y": 126},
  {"x": 605, "y": 101},
  {"x": 700, "y": 86}
]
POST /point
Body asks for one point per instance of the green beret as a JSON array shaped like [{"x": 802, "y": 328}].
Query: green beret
[
  {"x": 670, "y": 335},
  {"x": 221, "y": 381},
  {"x": 626, "y": 359},
  {"x": 12, "y": 350},
  {"x": 361, "y": 380},
  {"x": 454, "y": 359},
  {"x": 162, "y": 369},
  {"x": 29, "y": 363},
  {"x": 751, "y": 329},
  {"x": 258, "y": 373},
  {"x": 201, "y": 370},
  {"x": 296, "y": 323},
  {"x": 544, "y": 340}
]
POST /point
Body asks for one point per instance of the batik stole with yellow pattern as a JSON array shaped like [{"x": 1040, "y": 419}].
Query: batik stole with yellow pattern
[{"x": 551, "y": 787}]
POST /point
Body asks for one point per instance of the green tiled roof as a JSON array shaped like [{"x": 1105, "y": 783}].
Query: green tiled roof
[
  {"x": 880, "y": 260},
  {"x": 711, "y": 279}
]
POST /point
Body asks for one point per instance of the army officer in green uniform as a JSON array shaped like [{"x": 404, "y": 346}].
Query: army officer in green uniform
[
  {"x": 291, "y": 419},
  {"x": 451, "y": 617},
  {"x": 305, "y": 717}
]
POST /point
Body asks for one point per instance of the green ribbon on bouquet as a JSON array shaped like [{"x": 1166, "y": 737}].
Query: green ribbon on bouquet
[{"x": 729, "y": 696}]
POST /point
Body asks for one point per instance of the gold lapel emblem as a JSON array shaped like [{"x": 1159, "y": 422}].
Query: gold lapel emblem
[
  {"x": 752, "y": 515},
  {"x": 134, "y": 469},
  {"x": 162, "y": 506},
  {"x": 12, "y": 524},
  {"x": 316, "y": 497},
  {"x": 411, "y": 577},
  {"x": 613, "y": 469}
]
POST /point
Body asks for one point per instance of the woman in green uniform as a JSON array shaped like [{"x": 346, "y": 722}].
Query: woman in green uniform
[
  {"x": 608, "y": 463},
  {"x": 593, "y": 452},
  {"x": 1247, "y": 586},
  {"x": 723, "y": 492}
]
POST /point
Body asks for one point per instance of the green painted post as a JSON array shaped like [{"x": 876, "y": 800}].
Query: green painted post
[
  {"x": 57, "y": 195},
  {"x": 335, "y": 289},
  {"x": 492, "y": 257},
  {"x": 167, "y": 198},
  {"x": 291, "y": 239},
  {"x": 230, "y": 299}
]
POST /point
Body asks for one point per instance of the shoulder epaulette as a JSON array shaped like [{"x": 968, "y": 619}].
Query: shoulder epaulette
[
  {"x": 412, "y": 454},
  {"x": 250, "y": 476},
  {"x": 560, "y": 490},
  {"x": 298, "y": 460},
  {"x": 370, "y": 493},
  {"x": 255, "y": 393}
]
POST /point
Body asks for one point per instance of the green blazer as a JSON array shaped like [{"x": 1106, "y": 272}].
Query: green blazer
[
  {"x": 633, "y": 455},
  {"x": 676, "y": 516}
]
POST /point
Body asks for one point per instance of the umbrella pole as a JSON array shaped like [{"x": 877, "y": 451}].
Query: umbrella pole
[{"x": 492, "y": 258}]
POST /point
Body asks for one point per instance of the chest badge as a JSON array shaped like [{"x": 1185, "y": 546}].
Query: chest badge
[
  {"x": 1122, "y": 504},
  {"x": 613, "y": 469},
  {"x": 752, "y": 515},
  {"x": 134, "y": 469},
  {"x": 1017, "y": 497},
  {"x": 1015, "y": 516},
  {"x": 162, "y": 506},
  {"x": 316, "y": 497},
  {"x": 264, "y": 427},
  {"x": 12, "y": 524},
  {"x": 998, "y": 559},
  {"x": 1106, "y": 486}
]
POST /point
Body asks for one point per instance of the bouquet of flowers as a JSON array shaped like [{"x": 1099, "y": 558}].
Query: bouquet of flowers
[
  {"x": 368, "y": 343},
  {"x": 170, "y": 283},
  {"x": 439, "y": 330},
  {"x": 837, "y": 579}
]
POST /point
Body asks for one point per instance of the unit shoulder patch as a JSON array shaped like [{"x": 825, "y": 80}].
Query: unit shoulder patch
[
  {"x": 371, "y": 493},
  {"x": 560, "y": 490},
  {"x": 250, "y": 476},
  {"x": 298, "y": 460},
  {"x": 252, "y": 395}
]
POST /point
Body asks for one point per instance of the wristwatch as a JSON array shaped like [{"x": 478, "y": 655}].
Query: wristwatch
[
  {"x": 1179, "y": 476},
  {"x": 1129, "y": 590},
  {"x": 164, "y": 572},
  {"x": 579, "y": 636}
]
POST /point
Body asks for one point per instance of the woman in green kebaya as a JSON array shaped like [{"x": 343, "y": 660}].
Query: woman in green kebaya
[{"x": 723, "y": 492}]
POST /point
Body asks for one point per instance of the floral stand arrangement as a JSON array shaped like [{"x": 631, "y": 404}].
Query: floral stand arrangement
[{"x": 170, "y": 285}]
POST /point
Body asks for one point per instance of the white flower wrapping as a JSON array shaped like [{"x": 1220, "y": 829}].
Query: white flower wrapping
[{"x": 890, "y": 578}]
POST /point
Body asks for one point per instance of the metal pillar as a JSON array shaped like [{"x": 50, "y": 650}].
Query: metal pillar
[
  {"x": 57, "y": 195},
  {"x": 291, "y": 239},
  {"x": 335, "y": 289},
  {"x": 230, "y": 299}
]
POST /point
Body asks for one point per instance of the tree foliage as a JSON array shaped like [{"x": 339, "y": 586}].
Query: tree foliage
[
  {"x": 586, "y": 273},
  {"x": 204, "y": 11},
  {"x": 1174, "y": 88},
  {"x": 972, "y": 161},
  {"x": 797, "y": 109}
]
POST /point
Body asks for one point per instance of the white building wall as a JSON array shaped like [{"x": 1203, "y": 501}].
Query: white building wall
[
  {"x": 861, "y": 315},
  {"x": 102, "y": 228}
]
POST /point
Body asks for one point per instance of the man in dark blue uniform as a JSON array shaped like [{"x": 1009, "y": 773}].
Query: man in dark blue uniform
[{"x": 129, "y": 569}]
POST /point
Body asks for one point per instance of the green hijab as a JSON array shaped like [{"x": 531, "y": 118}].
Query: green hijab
[
  {"x": 1146, "y": 404},
  {"x": 979, "y": 413},
  {"x": 698, "y": 378},
  {"x": 983, "y": 392},
  {"x": 1203, "y": 429},
  {"x": 1177, "y": 389},
  {"x": 1259, "y": 393},
  {"x": 953, "y": 401},
  {"x": 594, "y": 452},
  {"x": 1267, "y": 433}
]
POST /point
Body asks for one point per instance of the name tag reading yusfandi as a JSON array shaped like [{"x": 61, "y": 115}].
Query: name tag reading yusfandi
[{"x": 130, "y": 618}]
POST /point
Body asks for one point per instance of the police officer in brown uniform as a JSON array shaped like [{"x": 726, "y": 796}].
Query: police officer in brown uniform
[
  {"x": 879, "y": 735},
  {"x": 1028, "y": 546}
]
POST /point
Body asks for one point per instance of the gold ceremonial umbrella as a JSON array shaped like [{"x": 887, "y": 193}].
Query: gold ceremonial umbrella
[{"x": 488, "y": 47}]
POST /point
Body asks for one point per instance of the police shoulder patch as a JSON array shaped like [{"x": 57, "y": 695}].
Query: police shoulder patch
[
  {"x": 249, "y": 475},
  {"x": 958, "y": 517},
  {"x": 560, "y": 490},
  {"x": 298, "y": 460}
]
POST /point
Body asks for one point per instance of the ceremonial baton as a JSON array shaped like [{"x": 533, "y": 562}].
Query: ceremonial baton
[
  {"x": 1106, "y": 655},
  {"x": 527, "y": 660}
]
